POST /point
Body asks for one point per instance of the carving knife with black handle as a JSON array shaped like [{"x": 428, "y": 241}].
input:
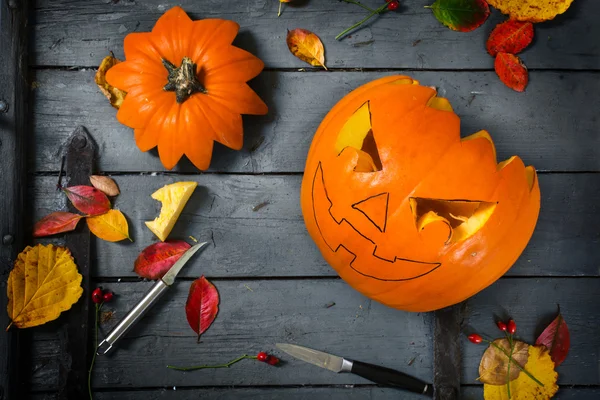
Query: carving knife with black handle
[{"x": 375, "y": 373}]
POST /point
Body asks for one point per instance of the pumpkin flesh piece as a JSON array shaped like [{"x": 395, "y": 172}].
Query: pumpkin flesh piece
[
  {"x": 464, "y": 218},
  {"x": 173, "y": 198}
]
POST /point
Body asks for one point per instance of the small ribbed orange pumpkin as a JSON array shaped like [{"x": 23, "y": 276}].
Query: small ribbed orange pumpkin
[
  {"x": 407, "y": 212},
  {"x": 186, "y": 87}
]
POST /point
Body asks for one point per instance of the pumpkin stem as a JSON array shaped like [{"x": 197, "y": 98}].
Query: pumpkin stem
[{"x": 182, "y": 80}]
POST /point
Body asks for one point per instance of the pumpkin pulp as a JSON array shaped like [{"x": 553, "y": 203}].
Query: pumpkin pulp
[{"x": 182, "y": 80}]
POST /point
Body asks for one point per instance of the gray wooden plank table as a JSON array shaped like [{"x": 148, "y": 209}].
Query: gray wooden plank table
[{"x": 274, "y": 285}]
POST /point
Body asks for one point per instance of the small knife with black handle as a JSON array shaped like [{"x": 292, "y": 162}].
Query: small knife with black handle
[{"x": 375, "y": 373}]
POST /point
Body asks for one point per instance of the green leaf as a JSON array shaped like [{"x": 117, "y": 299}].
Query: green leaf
[{"x": 461, "y": 15}]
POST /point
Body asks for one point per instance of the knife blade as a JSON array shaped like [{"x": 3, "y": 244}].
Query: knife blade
[
  {"x": 149, "y": 299},
  {"x": 374, "y": 373}
]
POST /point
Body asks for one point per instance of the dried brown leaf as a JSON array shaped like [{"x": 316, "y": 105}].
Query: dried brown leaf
[
  {"x": 105, "y": 184},
  {"x": 113, "y": 94},
  {"x": 493, "y": 368}
]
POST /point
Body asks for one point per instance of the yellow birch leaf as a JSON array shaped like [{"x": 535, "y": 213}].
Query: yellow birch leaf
[
  {"x": 493, "y": 367},
  {"x": 113, "y": 94},
  {"x": 111, "y": 226},
  {"x": 531, "y": 10},
  {"x": 541, "y": 366},
  {"x": 43, "y": 283},
  {"x": 306, "y": 46}
]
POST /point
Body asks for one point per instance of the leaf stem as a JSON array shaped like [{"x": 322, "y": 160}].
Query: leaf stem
[
  {"x": 98, "y": 307},
  {"x": 226, "y": 365},
  {"x": 358, "y": 3},
  {"x": 359, "y": 23},
  {"x": 516, "y": 363},
  {"x": 512, "y": 348},
  {"x": 279, "y": 12}
]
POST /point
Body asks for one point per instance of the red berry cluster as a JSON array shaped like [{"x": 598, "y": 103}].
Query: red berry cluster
[
  {"x": 100, "y": 296},
  {"x": 509, "y": 327},
  {"x": 267, "y": 358}
]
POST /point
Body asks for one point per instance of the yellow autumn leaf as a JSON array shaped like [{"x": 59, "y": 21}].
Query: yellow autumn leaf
[
  {"x": 531, "y": 10},
  {"x": 306, "y": 46},
  {"x": 113, "y": 94},
  {"x": 541, "y": 366},
  {"x": 493, "y": 367},
  {"x": 111, "y": 226},
  {"x": 43, "y": 283}
]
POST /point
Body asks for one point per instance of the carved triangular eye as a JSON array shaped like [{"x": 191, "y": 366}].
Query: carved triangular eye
[
  {"x": 357, "y": 133},
  {"x": 375, "y": 209}
]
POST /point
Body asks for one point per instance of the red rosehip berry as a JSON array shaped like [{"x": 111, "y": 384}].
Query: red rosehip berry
[
  {"x": 97, "y": 295},
  {"x": 272, "y": 360},
  {"x": 107, "y": 296},
  {"x": 393, "y": 5},
  {"x": 262, "y": 356},
  {"x": 475, "y": 338},
  {"x": 512, "y": 327},
  {"x": 502, "y": 326}
]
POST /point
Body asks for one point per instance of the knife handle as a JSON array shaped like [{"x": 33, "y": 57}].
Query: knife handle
[{"x": 391, "y": 377}]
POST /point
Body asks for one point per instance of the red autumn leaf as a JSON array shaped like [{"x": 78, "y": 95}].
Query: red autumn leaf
[
  {"x": 88, "y": 199},
  {"x": 155, "y": 260},
  {"x": 202, "y": 305},
  {"x": 56, "y": 222},
  {"x": 557, "y": 339},
  {"x": 461, "y": 15},
  {"x": 511, "y": 71},
  {"x": 510, "y": 37}
]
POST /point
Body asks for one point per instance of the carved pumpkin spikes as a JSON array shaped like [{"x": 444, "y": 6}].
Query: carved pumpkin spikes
[{"x": 405, "y": 210}]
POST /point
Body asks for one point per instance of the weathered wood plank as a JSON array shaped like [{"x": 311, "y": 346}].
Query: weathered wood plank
[
  {"x": 447, "y": 354},
  {"x": 533, "y": 304},
  {"x": 546, "y": 126},
  {"x": 14, "y": 135},
  {"x": 272, "y": 241},
  {"x": 301, "y": 393},
  {"x": 80, "y": 33},
  {"x": 73, "y": 369},
  {"x": 256, "y": 314},
  {"x": 253, "y": 316}
]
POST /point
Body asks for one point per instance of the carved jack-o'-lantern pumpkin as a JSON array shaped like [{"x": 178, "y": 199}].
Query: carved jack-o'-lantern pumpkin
[{"x": 407, "y": 212}]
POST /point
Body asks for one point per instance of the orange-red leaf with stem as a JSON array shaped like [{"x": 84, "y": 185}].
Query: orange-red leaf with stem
[
  {"x": 202, "y": 305},
  {"x": 306, "y": 46},
  {"x": 557, "y": 339},
  {"x": 88, "y": 199},
  {"x": 511, "y": 71},
  {"x": 155, "y": 260},
  {"x": 510, "y": 37},
  {"x": 57, "y": 222}
]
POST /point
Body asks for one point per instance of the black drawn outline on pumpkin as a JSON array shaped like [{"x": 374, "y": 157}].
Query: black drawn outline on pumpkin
[
  {"x": 435, "y": 265},
  {"x": 355, "y": 206}
]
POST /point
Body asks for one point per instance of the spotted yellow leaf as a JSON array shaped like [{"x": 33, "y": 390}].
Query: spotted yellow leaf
[
  {"x": 43, "y": 283},
  {"x": 111, "y": 226},
  {"x": 540, "y": 365},
  {"x": 531, "y": 10}
]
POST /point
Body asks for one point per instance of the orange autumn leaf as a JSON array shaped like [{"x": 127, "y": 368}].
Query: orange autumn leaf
[
  {"x": 306, "y": 46},
  {"x": 114, "y": 95},
  {"x": 531, "y": 10},
  {"x": 511, "y": 71},
  {"x": 493, "y": 368},
  {"x": 539, "y": 365},
  {"x": 43, "y": 283},
  {"x": 510, "y": 37},
  {"x": 111, "y": 226}
]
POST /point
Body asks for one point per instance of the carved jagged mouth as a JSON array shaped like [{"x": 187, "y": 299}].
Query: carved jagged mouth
[{"x": 397, "y": 269}]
